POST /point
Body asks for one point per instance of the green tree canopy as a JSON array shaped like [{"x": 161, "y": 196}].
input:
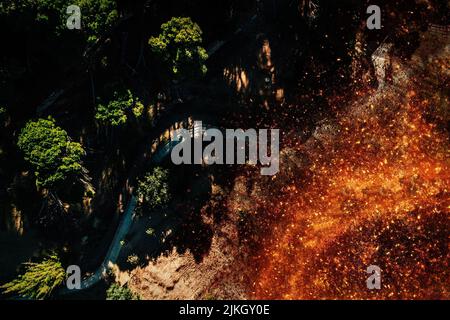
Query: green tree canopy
[
  {"x": 116, "y": 111},
  {"x": 153, "y": 189},
  {"x": 117, "y": 292},
  {"x": 39, "y": 280},
  {"x": 49, "y": 150},
  {"x": 97, "y": 16},
  {"x": 179, "y": 46}
]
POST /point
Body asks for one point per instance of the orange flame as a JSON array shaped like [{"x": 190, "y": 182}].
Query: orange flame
[{"x": 378, "y": 196}]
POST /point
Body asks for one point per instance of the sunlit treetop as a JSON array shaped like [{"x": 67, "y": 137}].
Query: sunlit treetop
[
  {"x": 97, "y": 16},
  {"x": 50, "y": 152},
  {"x": 39, "y": 280},
  {"x": 116, "y": 111},
  {"x": 179, "y": 46},
  {"x": 153, "y": 190}
]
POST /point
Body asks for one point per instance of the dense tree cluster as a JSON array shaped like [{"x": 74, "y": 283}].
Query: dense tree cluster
[{"x": 98, "y": 16}]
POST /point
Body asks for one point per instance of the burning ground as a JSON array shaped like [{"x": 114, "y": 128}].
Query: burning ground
[{"x": 376, "y": 193}]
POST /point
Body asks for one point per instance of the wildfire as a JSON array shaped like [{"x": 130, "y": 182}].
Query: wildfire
[{"x": 378, "y": 195}]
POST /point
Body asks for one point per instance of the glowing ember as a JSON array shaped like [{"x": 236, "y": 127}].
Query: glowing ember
[{"x": 378, "y": 195}]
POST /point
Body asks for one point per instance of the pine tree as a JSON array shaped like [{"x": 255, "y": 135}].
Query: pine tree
[{"x": 39, "y": 280}]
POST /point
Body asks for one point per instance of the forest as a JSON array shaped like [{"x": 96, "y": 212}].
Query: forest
[{"x": 88, "y": 113}]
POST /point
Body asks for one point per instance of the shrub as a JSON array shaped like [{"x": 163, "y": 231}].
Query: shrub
[
  {"x": 153, "y": 189},
  {"x": 117, "y": 292}
]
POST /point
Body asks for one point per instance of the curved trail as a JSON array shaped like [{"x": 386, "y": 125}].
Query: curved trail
[
  {"x": 124, "y": 226},
  {"x": 115, "y": 247}
]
